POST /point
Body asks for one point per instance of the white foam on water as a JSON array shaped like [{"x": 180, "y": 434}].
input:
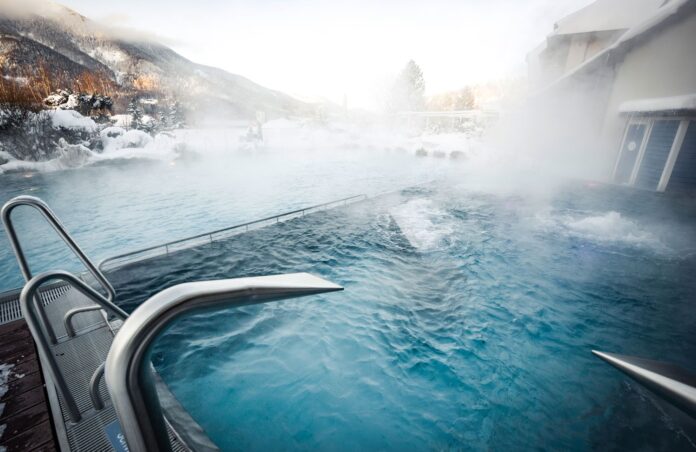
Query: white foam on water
[
  {"x": 423, "y": 223},
  {"x": 604, "y": 228}
]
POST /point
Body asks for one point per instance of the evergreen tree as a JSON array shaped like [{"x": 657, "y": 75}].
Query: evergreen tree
[
  {"x": 408, "y": 92},
  {"x": 175, "y": 116},
  {"x": 136, "y": 115}
]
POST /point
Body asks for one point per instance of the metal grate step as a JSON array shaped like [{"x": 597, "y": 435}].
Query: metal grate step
[{"x": 9, "y": 301}]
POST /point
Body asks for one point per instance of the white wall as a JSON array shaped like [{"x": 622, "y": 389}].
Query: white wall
[{"x": 662, "y": 65}]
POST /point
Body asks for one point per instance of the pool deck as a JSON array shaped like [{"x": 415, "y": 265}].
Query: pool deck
[{"x": 25, "y": 420}]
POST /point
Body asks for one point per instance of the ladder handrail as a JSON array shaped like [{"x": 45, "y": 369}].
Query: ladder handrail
[
  {"x": 128, "y": 371},
  {"x": 33, "y": 309},
  {"x": 52, "y": 219}
]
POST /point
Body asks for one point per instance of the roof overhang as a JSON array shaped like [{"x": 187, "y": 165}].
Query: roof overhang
[
  {"x": 671, "y": 12},
  {"x": 660, "y": 105}
]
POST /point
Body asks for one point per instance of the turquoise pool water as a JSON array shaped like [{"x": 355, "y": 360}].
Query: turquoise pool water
[
  {"x": 467, "y": 319},
  {"x": 466, "y": 323},
  {"x": 127, "y": 205}
]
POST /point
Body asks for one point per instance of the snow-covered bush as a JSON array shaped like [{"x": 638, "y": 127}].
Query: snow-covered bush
[
  {"x": 115, "y": 138},
  {"x": 72, "y": 155},
  {"x": 87, "y": 104},
  {"x": 26, "y": 135},
  {"x": 71, "y": 120}
]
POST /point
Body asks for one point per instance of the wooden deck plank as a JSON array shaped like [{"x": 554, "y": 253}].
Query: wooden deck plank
[
  {"x": 25, "y": 416},
  {"x": 24, "y": 400},
  {"x": 12, "y": 326},
  {"x": 17, "y": 423},
  {"x": 19, "y": 386},
  {"x": 16, "y": 349},
  {"x": 38, "y": 437}
]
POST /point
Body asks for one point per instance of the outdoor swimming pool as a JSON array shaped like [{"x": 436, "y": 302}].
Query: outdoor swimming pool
[
  {"x": 132, "y": 204},
  {"x": 468, "y": 315},
  {"x": 466, "y": 323}
]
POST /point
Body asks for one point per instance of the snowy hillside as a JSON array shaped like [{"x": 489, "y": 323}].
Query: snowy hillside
[{"x": 39, "y": 35}]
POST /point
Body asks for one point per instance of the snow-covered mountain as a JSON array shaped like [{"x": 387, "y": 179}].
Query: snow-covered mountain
[{"x": 40, "y": 35}]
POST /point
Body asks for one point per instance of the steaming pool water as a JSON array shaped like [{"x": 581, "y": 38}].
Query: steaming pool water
[{"x": 466, "y": 322}]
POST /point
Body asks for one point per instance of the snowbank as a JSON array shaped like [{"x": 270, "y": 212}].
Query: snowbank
[
  {"x": 121, "y": 120},
  {"x": 72, "y": 120},
  {"x": 135, "y": 144},
  {"x": 115, "y": 138},
  {"x": 69, "y": 156},
  {"x": 281, "y": 136}
]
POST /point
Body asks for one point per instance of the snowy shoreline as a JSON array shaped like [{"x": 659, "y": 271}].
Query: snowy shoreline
[{"x": 280, "y": 136}]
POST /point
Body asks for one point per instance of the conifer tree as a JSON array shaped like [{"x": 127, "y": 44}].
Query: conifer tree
[
  {"x": 136, "y": 116},
  {"x": 408, "y": 91},
  {"x": 175, "y": 116}
]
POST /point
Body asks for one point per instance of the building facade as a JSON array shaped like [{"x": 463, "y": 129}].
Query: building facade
[{"x": 631, "y": 81}]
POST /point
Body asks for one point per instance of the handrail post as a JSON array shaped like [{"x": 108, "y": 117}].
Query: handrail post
[
  {"x": 128, "y": 374},
  {"x": 25, "y": 299}
]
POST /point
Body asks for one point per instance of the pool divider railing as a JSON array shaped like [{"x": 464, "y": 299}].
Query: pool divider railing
[{"x": 165, "y": 249}]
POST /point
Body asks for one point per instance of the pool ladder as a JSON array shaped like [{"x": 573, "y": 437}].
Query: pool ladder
[
  {"x": 127, "y": 369},
  {"x": 33, "y": 309}
]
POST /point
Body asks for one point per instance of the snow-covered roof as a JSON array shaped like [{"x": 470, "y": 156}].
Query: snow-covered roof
[
  {"x": 675, "y": 103},
  {"x": 670, "y": 9},
  {"x": 605, "y": 15}
]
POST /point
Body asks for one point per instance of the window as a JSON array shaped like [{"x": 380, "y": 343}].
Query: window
[
  {"x": 650, "y": 152},
  {"x": 633, "y": 142},
  {"x": 657, "y": 149},
  {"x": 683, "y": 177}
]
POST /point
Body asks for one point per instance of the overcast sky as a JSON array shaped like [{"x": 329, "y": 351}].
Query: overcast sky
[{"x": 314, "y": 49}]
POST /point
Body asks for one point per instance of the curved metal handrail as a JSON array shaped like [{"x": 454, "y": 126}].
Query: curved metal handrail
[
  {"x": 67, "y": 319},
  {"x": 101, "y": 301},
  {"x": 97, "y": 376},
  {"x": 128, "y": 372},
  {"x": 34, "y": 316},
  {"x": 53, "y": 220}
]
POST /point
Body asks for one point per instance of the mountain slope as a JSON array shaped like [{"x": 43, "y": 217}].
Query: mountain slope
[{"x": 43, "y": 35}]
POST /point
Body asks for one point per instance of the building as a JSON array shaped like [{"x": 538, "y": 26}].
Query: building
[{"x": 624, "y": 73}]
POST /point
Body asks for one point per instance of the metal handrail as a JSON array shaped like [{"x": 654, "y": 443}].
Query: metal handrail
[
  {"x": 210, "y": 234},
  {"x": 101, "y": 302},
  {"x": 67, "y": 319},
  {"x": 94, "y": 394},
  {"x": 671, "y": 382},
  {"x": 53, "y": 220},
  {"x": 128, "y": 371},
  {"x": 32, "y": 308}
]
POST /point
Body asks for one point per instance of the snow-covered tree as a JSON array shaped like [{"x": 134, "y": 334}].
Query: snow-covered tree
[
  {"x": 136, "y": 115},
  {"x": 408, "y": 91},
  {"x": 175, "y": 116}
]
